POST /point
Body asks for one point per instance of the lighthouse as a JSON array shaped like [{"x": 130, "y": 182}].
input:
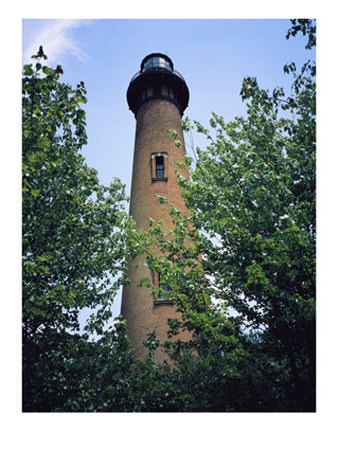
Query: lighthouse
[{"x": 158, "y": 96}]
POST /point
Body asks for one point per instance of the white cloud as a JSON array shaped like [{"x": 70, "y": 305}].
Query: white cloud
[{"x": 56, "y": 38}]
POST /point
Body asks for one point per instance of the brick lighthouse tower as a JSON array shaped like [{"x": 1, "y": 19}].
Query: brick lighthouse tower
[{"x": 158, "y": 96}]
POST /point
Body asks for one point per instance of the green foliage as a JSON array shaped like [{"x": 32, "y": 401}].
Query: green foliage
[
  {"x": 249, "y": 248},
  {"x": 75, "y": 234},
  {"x": 65, "y": 372},
  {"x": 307, "y": 27},
  {"x": 73, "y": 243}
]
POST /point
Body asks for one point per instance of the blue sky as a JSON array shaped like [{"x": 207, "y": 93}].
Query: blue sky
[{"x": 213, "y": 56}]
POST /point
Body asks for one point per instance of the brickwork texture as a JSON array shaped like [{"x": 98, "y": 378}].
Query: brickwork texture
[{"x": 154, "y": 120}]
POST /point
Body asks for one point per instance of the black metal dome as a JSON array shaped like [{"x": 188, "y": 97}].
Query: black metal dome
[{"x": 157, "y": 79}]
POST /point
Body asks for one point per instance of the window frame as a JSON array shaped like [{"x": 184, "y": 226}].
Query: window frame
[
  {"x": 156, "y": 278},
  {"x": 153, "y": 165},
  {"x": 159, "y": 166}
]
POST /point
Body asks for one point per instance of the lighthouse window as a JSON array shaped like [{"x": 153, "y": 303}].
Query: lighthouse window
[
  {"x": 159, "y": 167},
  {"x": 163, "y": 63},
  {"x": 156, "y": 61},
  {"x": 164, "y": 90},
  {"x": 164, "y": 290}
]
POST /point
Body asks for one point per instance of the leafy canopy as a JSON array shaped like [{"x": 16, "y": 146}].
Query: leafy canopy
[
  {"x": 241, "y": 267},
  {"x": 74, "y": 229},
  {"x": 75, "y": 234}
]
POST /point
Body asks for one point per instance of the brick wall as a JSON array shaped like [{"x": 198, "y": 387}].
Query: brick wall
[{"x": 154, "y": 120}]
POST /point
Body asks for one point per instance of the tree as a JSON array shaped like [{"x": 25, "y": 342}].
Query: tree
[
  {"x": 74, "y": 237},
  {"x": 252, "y": 202}
]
